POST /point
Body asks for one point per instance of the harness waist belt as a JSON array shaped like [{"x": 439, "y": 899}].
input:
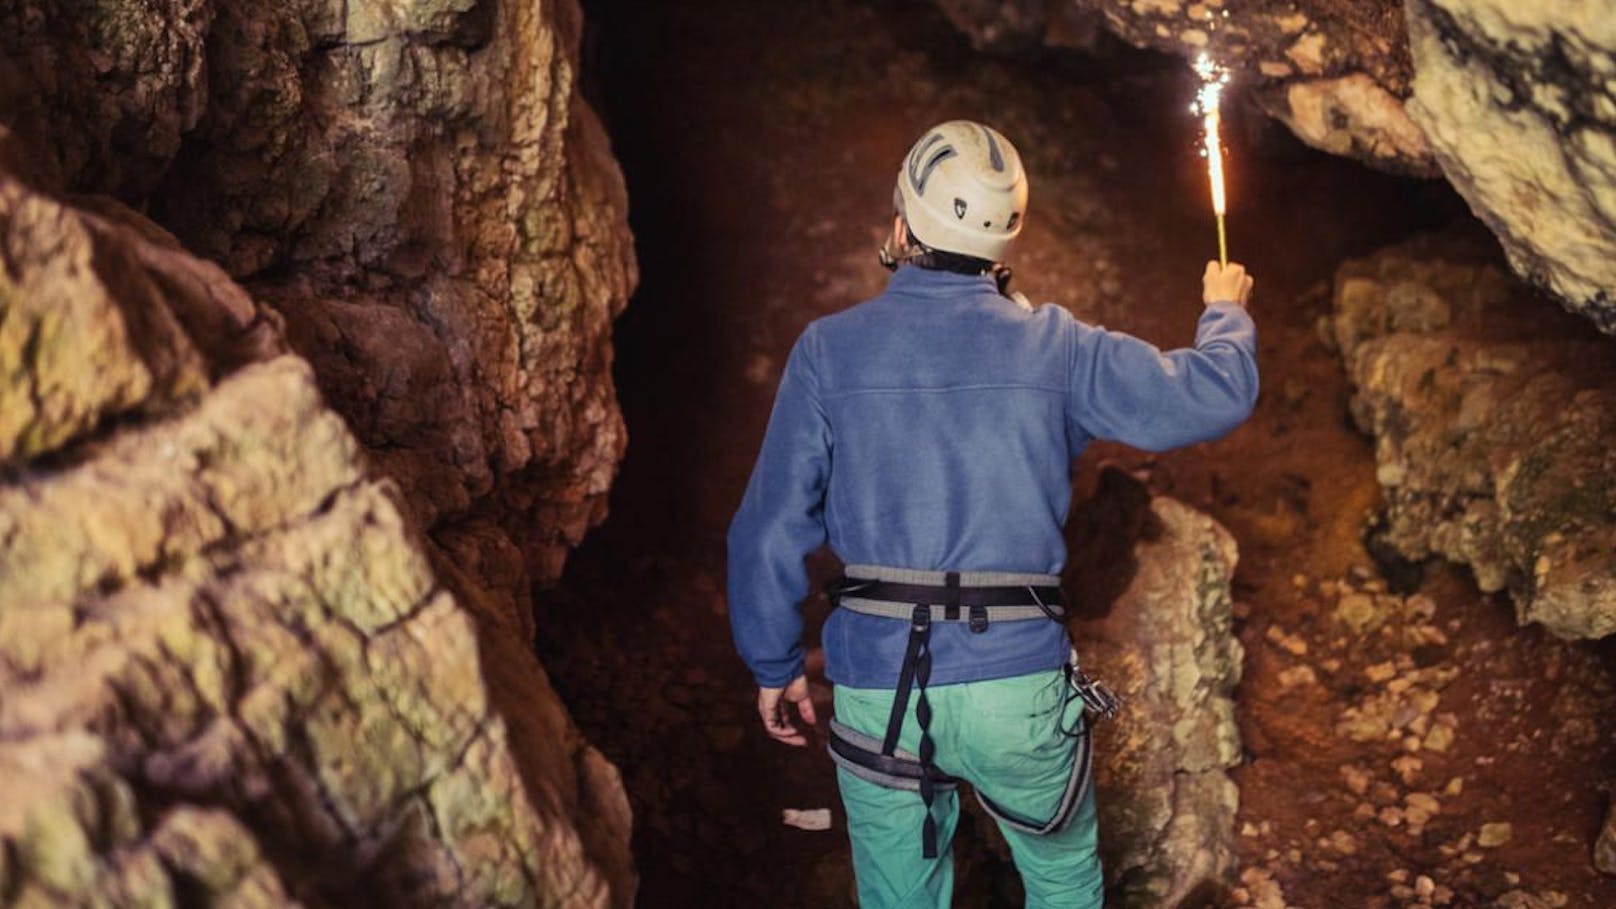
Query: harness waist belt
[{"x": 891, "y": 592}]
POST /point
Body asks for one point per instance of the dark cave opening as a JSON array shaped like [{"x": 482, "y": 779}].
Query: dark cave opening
[{"x": 759, "y": 143}]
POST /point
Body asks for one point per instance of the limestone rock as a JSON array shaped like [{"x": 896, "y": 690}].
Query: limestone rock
[
  {"x": 1518, "y": 103},
  {"x": 1494, "y": 427},
  {"x": 1336, "y": 74},
  {"x": 1154, "y": 622},
  {"x": 229, "y": 674},
  {"x": 1605, "y": 846},
  {"x": 416, "y": 187},
  {"x": 1511, "y": 102}
]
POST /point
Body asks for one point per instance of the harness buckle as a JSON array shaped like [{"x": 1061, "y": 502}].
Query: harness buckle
[
  {"x": 920, "y": 619},
  {"x": 979, "y": 619}
]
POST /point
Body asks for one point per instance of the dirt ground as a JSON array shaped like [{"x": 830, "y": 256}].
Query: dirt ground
[{"x": 760, "y": 143}]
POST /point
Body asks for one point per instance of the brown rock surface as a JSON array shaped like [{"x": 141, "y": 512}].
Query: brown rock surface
[
  {"x": 1494, "y": 427},
  {"x": 1518, "y": 102},
  {"x": 1605, "y": 845},
  {"x": 1336, "y": 73},
  {"x": 1155, "y": 622},
  {"x": 228, "y": 672},
  {"x": 1511, "y": 102},
  {"x": 416, "y": 188}
]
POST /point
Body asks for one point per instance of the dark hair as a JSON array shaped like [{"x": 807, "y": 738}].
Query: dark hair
[{"x": 942, "y": 260}]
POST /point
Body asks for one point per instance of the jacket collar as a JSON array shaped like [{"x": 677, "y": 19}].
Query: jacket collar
[{"x": 927, "y": 282}]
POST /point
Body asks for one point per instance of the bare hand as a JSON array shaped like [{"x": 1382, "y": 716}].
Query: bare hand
[
  {"x": 771, "y": 707},
  {"x": 1226, "y": 283}
]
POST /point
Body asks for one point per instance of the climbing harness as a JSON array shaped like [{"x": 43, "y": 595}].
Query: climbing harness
[{"x": 978, "y": 598}]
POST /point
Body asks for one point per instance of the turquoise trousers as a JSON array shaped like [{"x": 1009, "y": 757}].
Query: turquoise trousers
[{"x": 1003, "y": 736}]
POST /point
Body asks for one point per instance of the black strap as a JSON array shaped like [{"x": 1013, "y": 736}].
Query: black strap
[
  {"x": 945, "y": 595},
  {"x": 894, "y": 766},
  {"x": 928, "y": 749},
  {"x": 915, "y": 674},
  {"x": 919, "y": 632}
]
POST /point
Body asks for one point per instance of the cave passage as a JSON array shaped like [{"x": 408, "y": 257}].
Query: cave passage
[{"x": 759, "y": 143}]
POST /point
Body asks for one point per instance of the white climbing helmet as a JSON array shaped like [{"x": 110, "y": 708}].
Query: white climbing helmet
[{"x": 962, "y": 190}]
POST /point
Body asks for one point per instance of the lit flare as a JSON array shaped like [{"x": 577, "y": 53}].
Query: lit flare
[{"x": 1208, "y": 104}]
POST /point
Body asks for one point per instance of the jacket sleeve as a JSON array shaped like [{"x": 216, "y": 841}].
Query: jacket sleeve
[
  {"x": 780, "y": 521},
  {"x": 1125, "y": 390}
]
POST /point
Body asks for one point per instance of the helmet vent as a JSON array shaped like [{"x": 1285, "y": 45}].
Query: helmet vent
[
  {"x": 994, "y": 157},
  {"x": 959, "y": 209},
  {"x": 1015, "y": 218},
  {"x": 919, "y": 175}
]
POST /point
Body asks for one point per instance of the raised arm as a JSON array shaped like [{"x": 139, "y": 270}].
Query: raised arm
[
  {"x": 1126, "y": 390},
  {"x": 780, "y": 521}
]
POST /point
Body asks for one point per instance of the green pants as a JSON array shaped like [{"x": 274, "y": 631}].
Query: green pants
[{"x": 1002, "y": 736}]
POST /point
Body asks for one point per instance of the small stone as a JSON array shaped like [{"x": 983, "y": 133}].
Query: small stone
[
  {"x": 1423, "y": 801},
  {"x": 1424, "y": 886},
  {"x": 1380, "y": 672},
  {"x": 1356, "y": 778},
  {"x": 1357, "y": 612},
  {"x": 1495, "y": 834},
  {"x": 1391, "y": 816},
  {"x": 1290, "y": 643},
  {"x": 1455, "y": 786},
  {"x": 1297, "y": 676},
  {"x": 1440, "y": 738},
  {"x": 1406, "y": 767}
]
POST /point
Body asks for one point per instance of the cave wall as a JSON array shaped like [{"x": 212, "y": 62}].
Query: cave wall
[
  {"x": 416, "y": 187},
  {"x": 1513, "y": 103},
  {"x": 1155, "y": 615},
  {"x": 228, "y": 672},
  {"x": 267, "y": 626},
  {"x": 1494, "y": 428}
]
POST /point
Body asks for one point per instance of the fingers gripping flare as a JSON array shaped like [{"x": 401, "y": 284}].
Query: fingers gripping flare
[{"x": 1226, "y": 283}]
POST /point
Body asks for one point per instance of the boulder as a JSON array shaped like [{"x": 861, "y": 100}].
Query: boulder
[
  {"x": 1518, "y": 102},
  {"x": 1154, "y": 620},
  {"x": 229, "y": 673},
  {"x": 1336, "y": 74},
  {"x": 1605, "y": 845},
  {"x": 415, "y": 187},
  {"x": 1494, "y": 426},
  {"x": 1511, "y": 102}
]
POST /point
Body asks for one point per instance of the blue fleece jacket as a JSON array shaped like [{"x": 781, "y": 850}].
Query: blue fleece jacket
[{"x": 933, "y": 427}]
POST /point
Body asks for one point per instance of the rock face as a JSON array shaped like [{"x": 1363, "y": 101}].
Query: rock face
[
  {"x": 1511, "y": 102},
  {"x": 1519, "y": 104},
  {"x": 1337, "y": 74},
  {"x": 229, "y": 667},
  {"x": 228, "y": 672},
  {"x": 1494, "y": 428},
  {"x": 1154, "y": 621},
  {"x": 415, "y": 187},
  {"x": 1605, "y": 846}
]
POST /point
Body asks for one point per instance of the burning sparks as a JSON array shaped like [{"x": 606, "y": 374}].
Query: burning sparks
[{"x": 1208, "y": 102}]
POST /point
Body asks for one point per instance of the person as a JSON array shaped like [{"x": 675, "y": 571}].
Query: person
[{"x": 927, "y": 435}]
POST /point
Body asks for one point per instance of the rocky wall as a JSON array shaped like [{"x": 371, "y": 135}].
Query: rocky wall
[
  {"x": 1154, "y": 620},
  {"x": 1519, "y": 102},
  {"x": 228, "y": 672},
  {"x": 417, "y": 188},
  {"x": 310, "y": 671},
  {"x": 1494, "y": 424},
  {"x": 1513, "y": 103}
]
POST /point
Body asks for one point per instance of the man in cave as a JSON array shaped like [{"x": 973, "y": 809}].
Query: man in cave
[{"x": 927, "y": 434}]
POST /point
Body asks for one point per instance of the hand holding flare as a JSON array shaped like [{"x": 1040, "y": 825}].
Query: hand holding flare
[{"x": 1208, "y": 102}]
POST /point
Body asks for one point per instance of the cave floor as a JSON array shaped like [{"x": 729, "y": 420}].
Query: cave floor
[{"x": 760, "y": 141}]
